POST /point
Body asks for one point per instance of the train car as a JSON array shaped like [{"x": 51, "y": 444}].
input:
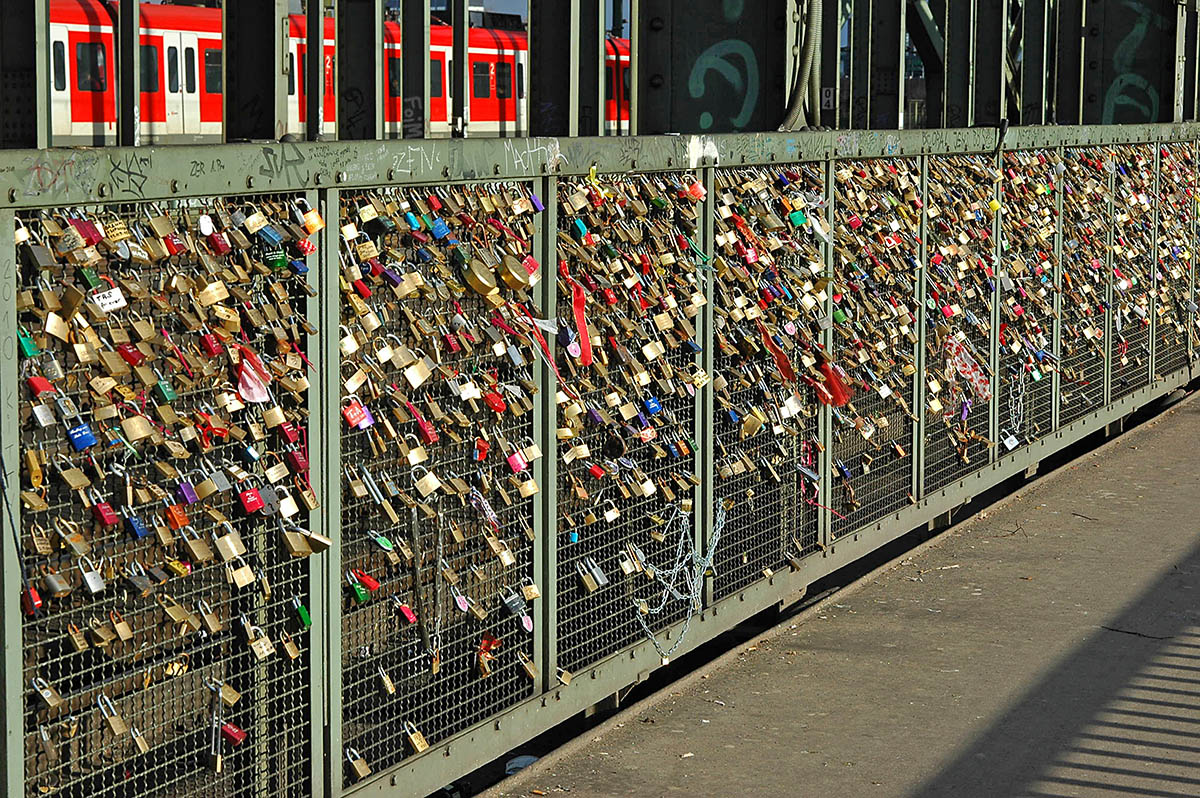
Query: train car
[{"x": 180, "y": 59}]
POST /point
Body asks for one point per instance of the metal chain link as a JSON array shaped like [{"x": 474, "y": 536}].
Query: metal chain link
[{"x": 693, "y": 578}]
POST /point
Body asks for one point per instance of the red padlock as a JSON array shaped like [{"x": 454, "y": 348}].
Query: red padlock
[
  {"x": 597, "y": 470},
  {"x": 304, "y": 247},
  {"x": 362, "y": 288},
  {"x": 31, "y": 600},
  {"x": 288, "y": 431},
  {"x": 353, "y": 412},
  {"x": 220, "y": 244},
  {"x": 234, "y": 735},
  {"x": 451, "y": 342},
  {"x": 425, "y": 428},
  {"x": 610, "y": 296},
  {"x": 407, "y": 612},
  {"x": 251, "y": 499},
  {"x": 174, "y": 244},
  {"x": 365, "y": 579},
  {"x": 495, "y": 401},
  {"x": 481, "y": 449},
  {"x": 131, "y": 354},
  {"x": 102, "y": 510},
  {"x": 297, "y": 460},
  {"x": 39, "y": 385},
  {"x": 211, "y": 343}
]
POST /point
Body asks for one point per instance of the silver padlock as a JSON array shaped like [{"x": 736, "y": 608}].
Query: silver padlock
[{"x": 92, "y": 579}]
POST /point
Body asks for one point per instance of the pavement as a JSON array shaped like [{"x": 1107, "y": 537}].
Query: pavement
[{"x": 1049, "y": 646}]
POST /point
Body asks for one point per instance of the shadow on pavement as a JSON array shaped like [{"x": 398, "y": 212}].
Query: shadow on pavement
[{"x": 1119, "y": 716}]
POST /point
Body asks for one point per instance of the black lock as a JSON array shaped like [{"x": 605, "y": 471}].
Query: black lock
[
  {"x": 270, "y": 498},
  {"x": 614, "y": 445}
]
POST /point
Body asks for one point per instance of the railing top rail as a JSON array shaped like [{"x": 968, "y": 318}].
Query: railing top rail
[{"x": 74, "y": 176}]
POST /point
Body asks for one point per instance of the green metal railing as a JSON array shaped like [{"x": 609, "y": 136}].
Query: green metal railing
[{"x": 1060, "y": 263}]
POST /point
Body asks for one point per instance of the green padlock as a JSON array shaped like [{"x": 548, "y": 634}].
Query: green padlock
[
  {"x": 361, "y": 594},
  {"x": 29, "y": 347},
  {"x": 275, "y": 259},
  {"x": 839, "y": 315},
  {"x": 302, "y": 612},
  {"x": 797, "y": 218},
  {"x": 87, "y": 275},
  {"x": 163, "y": 389}
]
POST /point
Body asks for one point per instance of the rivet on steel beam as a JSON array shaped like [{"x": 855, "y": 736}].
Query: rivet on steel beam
[
  {"x": 391, "y": 175},
  {"x": 497, "y": 725},
  {"x": 495, "y": 168},
  {"x": 249, "y": 181},
  {"x": 670, "y": 162},
  {"x": 102, "y": 190},
  {"x": 446, "y": 752},
  {"x": 174, "y": 185},
  {"x": 12, "y": 195},
  {"x": 395, "y": 779},
  {"x": 632, "y": 165},
  {"x": 340, "y": 177},
  {"x": 445, "y": 171}
]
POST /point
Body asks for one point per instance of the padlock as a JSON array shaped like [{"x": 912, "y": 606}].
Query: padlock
[
  {"x": 197, "y": 548},
  {"x": 232, "y": 734},
  {"x": 357, "y": 764},
  {"x": 251, "y": 499},
  {"x": 92, "y": 578},
  {"x": 260, "y": 644},
  {"x": 365, "y": 579},
  {"x": 353, "y": 411},
  {"x": 415, "y": 738},
  {"x": 210, "y": 619},
  {"x": 357, "y": 590},
  {"x": 239, "y": 572},
  {"x": 102, "y": 511},
  {"x": 135, "y": 525},
  {"x": 302, "y": 615},
  {"x": 49, "y": 695},
  {"x": 109, "y": 712}
]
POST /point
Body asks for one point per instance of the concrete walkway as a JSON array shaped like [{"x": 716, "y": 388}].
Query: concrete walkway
[{"x": 1048, "y": 647}]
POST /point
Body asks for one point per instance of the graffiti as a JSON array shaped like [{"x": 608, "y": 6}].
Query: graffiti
[
  {"x": 127, "y": 173},
  {"x": 891, "y": 145},
  {"x": 54, "y": 173},
  {"x": 201, "y": 168},
  {"x": 525, "y": 155},
  {"x": 284, "y": 161},
  {"x": 714, "y": 60},
  {"x": 354, "y": 112},
  {"x": 1131, "y": 92},
  {"x": 413, "y": 118}
]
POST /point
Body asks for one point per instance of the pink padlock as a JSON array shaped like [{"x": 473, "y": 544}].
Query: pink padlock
[{"x": 517, "y": 461}]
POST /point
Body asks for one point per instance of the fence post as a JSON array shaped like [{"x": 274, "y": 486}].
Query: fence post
[
  {"x": 328, "y": 395},
  {"x": 705, "y": 512},
  {"x": 920, "y": 380},
  {"x": 1109, "y": 326},
  {"x": 545, "y": 409},
  {"x": 1056, "y": 376}
]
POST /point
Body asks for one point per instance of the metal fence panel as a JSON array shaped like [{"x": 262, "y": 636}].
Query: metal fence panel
[{"x": 891, "y": 273}]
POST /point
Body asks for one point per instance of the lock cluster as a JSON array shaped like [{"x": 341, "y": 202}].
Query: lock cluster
[
  {"x": 165, "y": 482},
  {"x": 441, "y": 340}
]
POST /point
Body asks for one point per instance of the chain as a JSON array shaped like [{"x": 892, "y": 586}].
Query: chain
[
  {"x": 693, "y": 578},
  {"x": 1016, "y": 406}
]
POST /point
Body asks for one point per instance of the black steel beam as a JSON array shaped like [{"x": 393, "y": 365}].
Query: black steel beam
[
  {"x": 991, "y": 49},
  {"x": 460, "y": 78},
  {"x": 1068, "y": 69},
  {"x": 25, "y": 76},
  {"x": 932, "y": 56},
  {"x": 256, "y": 70},
  {"x": 1034, "y": 58},
  {"x": 360, "y": 70},
  {"x": 887, "y": 65},
  {"x": 860, "y": 64},
  {"x": 958, "y": 101},
  {"x": 1190, "y": 82},
  {"x": 589, "y": 51},
  {"x": 830, "y": 64},
  {"x": 549, "y": 68},
  {"x": 129, "y": 110},
  {"x": 312, "y": 74},
  {"x": 414, "y": 50}
]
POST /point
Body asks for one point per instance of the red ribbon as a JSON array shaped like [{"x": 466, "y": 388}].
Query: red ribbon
[{"x": 781, "y": 360}]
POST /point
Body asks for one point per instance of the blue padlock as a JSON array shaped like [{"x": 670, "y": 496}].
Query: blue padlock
[
  {"x": 270, "y": 236},
  {"x": 733, "y": 416},
  {"x": 298, "y": 266},
  {"x": 440, "y": 229},
  {"x": 136, "y": 526},
  {"x": 580, "y": 228},
  {"x": 673, "y": 449},
  {"x": 81, "y": 434},
  {"x": 652, "y": 405},
  {"x": 413, "y": 222}
]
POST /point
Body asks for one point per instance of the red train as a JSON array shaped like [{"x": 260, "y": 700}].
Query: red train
[{"x": 181, "y": 76}]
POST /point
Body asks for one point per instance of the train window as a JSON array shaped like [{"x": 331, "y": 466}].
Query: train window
[
  {"x": 92, "y": 64},
  {"x": 212, "y": 71},
  {"x": 149, "y": 67},
  {"x": 173, "y": 70},
  {"x": 520, "y": 80},
  {"x": 292, "y": 74},
  {"x": 189, "y": 69},
  {"x": 435, "y": 78},
  {"x": 395, "y": 77},
  {"x": 608, "y": 83},
  {"x": 481, "y": 79},
  {"x": 60, "y": 66},
  {"x": 504, "y": 85}
]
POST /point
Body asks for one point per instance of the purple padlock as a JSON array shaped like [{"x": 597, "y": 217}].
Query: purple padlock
[
  {"x": 538, "y": 207},
  {"x": 391, "y": 277},
  {"x": 368, "y": 419},
  {"x": 594, "y": 416},
  {"x": 186, "y": 492},
  {"x": 642, "y": 418}
]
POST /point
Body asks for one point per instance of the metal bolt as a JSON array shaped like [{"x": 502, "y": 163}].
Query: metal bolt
[
  {"x": 102, "y": 189},
  {"x": 249, "y": 182},
  {"x": 174, "y": 185},
  {"x": 12, "y": 195},
  {"x": 391, "y": 174},
  {"x": 340, "y": 177}
]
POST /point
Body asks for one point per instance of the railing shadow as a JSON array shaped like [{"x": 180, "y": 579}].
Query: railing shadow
[{"x": 1119, "y": 716}]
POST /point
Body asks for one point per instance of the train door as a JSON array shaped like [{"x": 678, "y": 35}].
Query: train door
[
  {"x": 522, "y": 59},
  {"x": 173, "y": 94},
  {"x": 91, "y": 85},
  {"x": 190, "y": 82},
  {"x": 60, "y": 76}
]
